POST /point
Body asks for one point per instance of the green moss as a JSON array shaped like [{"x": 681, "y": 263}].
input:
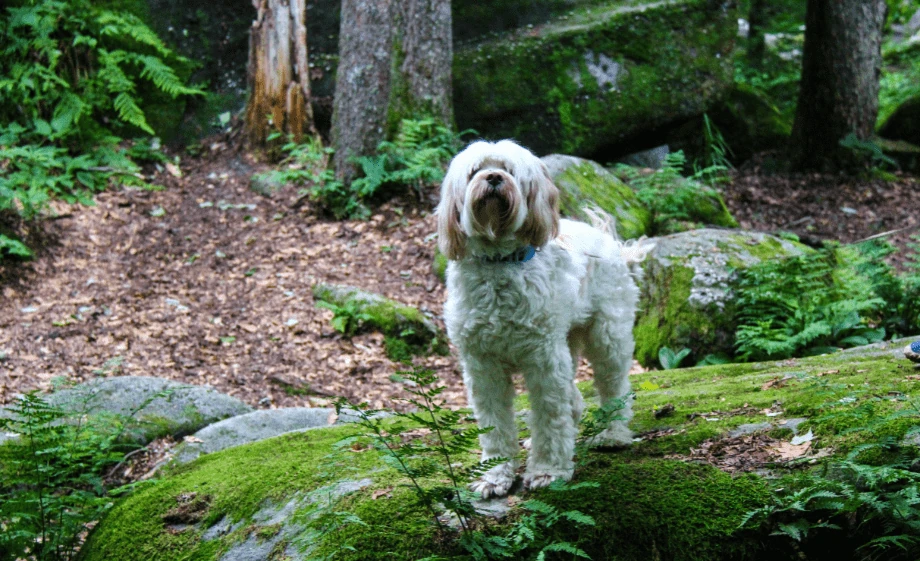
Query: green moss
[
  {"x": 661, "y": 510},
  {"x": 674, "y": 60},
  {"x": 645, "y": 507},
  {"x": 666, "y": 318},
  {"x": 835, "y": 392},
  {"x": 586, "y": 184}
]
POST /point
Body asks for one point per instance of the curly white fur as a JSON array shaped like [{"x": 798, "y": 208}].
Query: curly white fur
[{"x": 575, "y": 296}]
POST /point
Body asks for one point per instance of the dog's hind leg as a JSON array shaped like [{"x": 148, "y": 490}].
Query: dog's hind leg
[
  {"x": 491, "y": 393},
  {"x": 609, "y": 348}
]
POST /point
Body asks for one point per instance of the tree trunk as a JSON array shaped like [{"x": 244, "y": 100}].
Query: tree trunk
[
  {"x": 278, "y": 73},
  {"x": 427, "y": 48},
  {"x": 840, "y": 81},
  {"x": 362, "y": 83},
  {"x": 395, "y": 61},
  {"x": 757, "y": 19}
]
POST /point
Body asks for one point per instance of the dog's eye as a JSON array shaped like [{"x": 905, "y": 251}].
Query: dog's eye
[{"x": 472, "y": 173}]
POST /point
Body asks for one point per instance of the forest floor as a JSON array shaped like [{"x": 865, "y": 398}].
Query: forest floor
[{"x": 207, "y": 282}]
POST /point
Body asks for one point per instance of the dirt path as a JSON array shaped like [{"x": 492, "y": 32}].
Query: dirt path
[{"x": 206, "y": 282}]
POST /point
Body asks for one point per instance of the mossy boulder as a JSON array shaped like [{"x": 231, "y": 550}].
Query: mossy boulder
[
  {"x": 686, "y": 293},
  {"x": 583, "y": 183},
  {"x": 596, "y": 79},
  {"x": 678, "y": 203},
  {"x": 572, "y": 76},
  {"x": 360, "y": 309},
  {"x": 904, "y": 122},
  {"x": 658, "y": 499}
]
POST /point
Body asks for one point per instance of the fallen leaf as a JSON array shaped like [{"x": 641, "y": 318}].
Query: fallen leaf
[
  {"x": 789, "y": 451},
  {"x": 173, "y": 169},
  {"x": 382, "y": 493},
  {"x": 807, "y": 437},
  {"x": 775, "y": 383},
  {"x": 192, "y": 439}
]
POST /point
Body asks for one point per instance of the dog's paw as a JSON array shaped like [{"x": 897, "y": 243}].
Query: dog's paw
[
  {"x": 543, "y": 477},
  {"x": 617, "y": 435},
  {"x": 494, "y": 483}
]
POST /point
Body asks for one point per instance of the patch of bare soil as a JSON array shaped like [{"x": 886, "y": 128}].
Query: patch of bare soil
[
  {"x": 206, "y": 282},
  {"x": 819, "y": 207}
]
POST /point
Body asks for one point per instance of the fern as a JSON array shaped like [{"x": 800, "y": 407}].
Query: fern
[
  {"x": 416, "y": 158},
  {"x": 808, "y": 304},
  {"x": 73, "y": 77}
]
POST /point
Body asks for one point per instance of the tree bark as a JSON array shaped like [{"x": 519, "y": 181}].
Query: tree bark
[
  {"x": 427, "y": 47},
  {"x": 841, "y": 65},
  {"x": 278, "y": 73},
  {"x": 362, "y": 83},
  {"x": 394, "y": 62}
]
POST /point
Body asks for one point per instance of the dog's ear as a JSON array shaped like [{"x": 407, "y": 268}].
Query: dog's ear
[
  {"x": 451, "y": 239},
  {"x": 542, "y": 222}
]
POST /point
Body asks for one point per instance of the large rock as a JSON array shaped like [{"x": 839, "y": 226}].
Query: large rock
[
  {"x": 583, "y": 183},
  {"x": 286, "y": 497},
  {"x": 573, "y": 76},
  {"x": 904, "y": 122},
  {"x": 255, "y": 426},
  {"x": 686, "y": 293},
  {"x": 596, "y": 79},
  {"x": 157, "y": 406}
]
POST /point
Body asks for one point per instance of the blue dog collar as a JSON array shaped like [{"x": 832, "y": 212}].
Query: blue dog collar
[{"x": 520, "y": 255}]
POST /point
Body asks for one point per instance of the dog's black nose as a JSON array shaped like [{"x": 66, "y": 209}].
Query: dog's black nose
[{"x": 494, "y": 180}]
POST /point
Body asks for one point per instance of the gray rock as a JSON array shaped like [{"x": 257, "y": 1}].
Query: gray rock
[
  {"x": 265, "y": 184},
  {"x": 749, "y": 428},
  {"x": 158, "y": 406},
  {"x": 686, "y": 295},
  {"x": 289, "y": 519},
  {"x": 652, "y": 158},
  {"x": 257, "y": 425}
]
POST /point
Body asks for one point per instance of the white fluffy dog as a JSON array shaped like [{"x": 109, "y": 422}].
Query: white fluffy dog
[{"x": 529, "y": 293}]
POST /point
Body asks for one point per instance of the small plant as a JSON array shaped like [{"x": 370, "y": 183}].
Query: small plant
[
  {"x": 416, "y": 158},
  {"x": 873, "y": 507},
  {"x": 867, "y": 150},
  {"x": 430, "y": 446},
  {"x": 670, "y": 359},
  {"x": 346, "y": 319},
  {"x": 716, "y": 150},
  {"x": 666, "y": 193},
  {"x": 52, "y": 482}
]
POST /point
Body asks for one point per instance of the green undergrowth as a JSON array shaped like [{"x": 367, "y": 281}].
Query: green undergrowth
[{"x": 645, "y": 506}]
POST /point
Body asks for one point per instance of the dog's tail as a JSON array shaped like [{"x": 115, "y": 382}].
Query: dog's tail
[{"x": 633, "y": 252}]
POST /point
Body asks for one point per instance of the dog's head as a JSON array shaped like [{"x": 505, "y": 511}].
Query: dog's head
[{"x": 498, "y": 196}]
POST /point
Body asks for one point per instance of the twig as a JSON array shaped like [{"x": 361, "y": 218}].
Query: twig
[
  {"x": 123, "y": 460},
  {"x": 888, "y": 233}
]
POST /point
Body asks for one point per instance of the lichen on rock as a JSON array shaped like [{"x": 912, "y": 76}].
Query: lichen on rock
[{"x": 686, "y": 294}]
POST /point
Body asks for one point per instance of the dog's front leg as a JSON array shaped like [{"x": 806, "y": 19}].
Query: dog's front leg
[
  {"x": 552, "y": 428},
  {"x": 491, "y": 394}
]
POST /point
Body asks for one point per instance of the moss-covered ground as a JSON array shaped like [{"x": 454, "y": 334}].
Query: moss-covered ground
[{"x": 646, "y": 506}]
